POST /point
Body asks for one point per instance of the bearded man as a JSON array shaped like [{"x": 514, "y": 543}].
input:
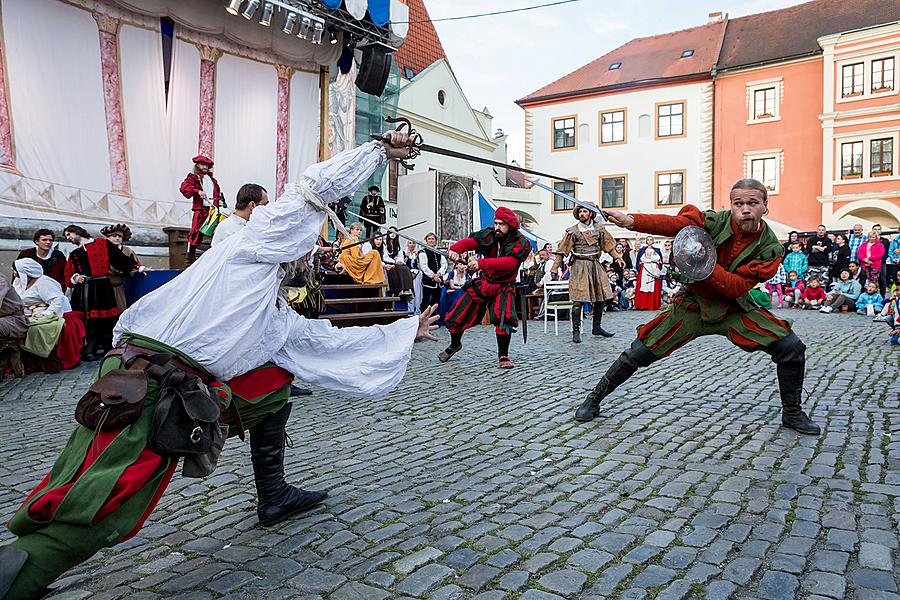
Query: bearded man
[
  {"x": 584, "y": 243},
  {"x": 748, "y": 253},
  {"x": 503, "y": 248}
]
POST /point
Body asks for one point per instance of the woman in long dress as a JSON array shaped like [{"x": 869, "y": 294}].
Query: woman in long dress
[
  {"x": 648, "y": 295},
  {"x": 400, "y": 279},
  {"x": 364, "y": 268}
]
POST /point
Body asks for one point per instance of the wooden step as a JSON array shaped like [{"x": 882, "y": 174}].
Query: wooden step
[
  {"x": 353, "y": 286},
  {"x": 334, "y": 301},
  {"x": 381, "y": 317}
]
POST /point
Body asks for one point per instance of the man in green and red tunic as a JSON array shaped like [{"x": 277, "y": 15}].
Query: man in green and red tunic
[
  {"x": 748, "y": 253},
  {"x": 503, "y": 248}
]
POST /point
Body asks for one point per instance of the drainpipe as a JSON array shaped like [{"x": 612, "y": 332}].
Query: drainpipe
[{"x": 712, "y": 154}]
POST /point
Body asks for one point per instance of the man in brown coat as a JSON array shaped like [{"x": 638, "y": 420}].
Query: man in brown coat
[{"x": 584, "y": 243}]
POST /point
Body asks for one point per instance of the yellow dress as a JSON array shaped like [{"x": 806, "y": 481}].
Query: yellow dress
[{"x": 363, "y": 268}]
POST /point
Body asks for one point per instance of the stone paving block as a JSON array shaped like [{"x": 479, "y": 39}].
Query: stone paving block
[
  {"x": 875, "y": 556},
  {"x": 426, "y": 578},
  {"x": 358, "y": 591},
  {"x": 410, "y": 563},
  {"x": 776, "y": 585},
  {"x": 566, "y": 582},
  {"x": 824, "y": 584},
  {"x": 478, "y": 576},
  {"x": 873, "y": 580},
  {"x": 315, "y": 580}
]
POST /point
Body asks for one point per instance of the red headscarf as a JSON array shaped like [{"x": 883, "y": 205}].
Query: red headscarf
[{"x": 507, "y": 216}]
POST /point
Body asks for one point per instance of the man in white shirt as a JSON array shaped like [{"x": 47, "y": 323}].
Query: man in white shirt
[
  {"x": 249, "y": 197},
  {"x": 221, "y": 318}
]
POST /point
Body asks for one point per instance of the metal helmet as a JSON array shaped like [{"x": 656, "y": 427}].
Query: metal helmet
[{"x": 694, "y": 253}]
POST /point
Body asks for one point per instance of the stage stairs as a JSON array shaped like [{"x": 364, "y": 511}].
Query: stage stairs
[{"x": 352, "y": 304}]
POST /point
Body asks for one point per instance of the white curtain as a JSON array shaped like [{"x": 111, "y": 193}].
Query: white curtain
[
  {"x": 144, "y": 107},
  {"x": 183, "y": 116},
  {"x": 304, "y": 133},
  {"x": 246, "y": 114},
  {"x": 56, "y": 93}
]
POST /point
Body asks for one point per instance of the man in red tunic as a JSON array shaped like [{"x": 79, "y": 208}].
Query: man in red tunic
[
  {"x": 46, "y": 254},
  {"x": 198, "y": 186},
  {"x": 93, "y": 298},
  {"x": 504, "y": 248}
]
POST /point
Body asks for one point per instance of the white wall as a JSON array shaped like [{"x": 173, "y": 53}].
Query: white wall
[{"x": 640, "y": 157}]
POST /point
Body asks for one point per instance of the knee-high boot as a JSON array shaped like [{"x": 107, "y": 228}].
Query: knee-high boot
[
  {"x": 576, "y": 322},
  {"x": 789, "y": 354},
  {"x": 597, "y": 328},
  {"x": 276, "y": 500},
  {"x": 638, "y": 355}
]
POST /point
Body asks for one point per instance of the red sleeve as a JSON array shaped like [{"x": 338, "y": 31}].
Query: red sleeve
[
  {"x": 464, "y": 245},
  {"x": 735, "y": 285},
  {"x": 502, "y": 265},
  {"x": 669, "y": 225},
  {"x": 189, "y": 188},
  {"x": 70, "y": 271}
]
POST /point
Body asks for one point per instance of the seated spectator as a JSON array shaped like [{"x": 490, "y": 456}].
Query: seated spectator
[
  {"x": 411, "y": 256},
  {"x": 628, "y": 286},
  {"x": 813, "y": 296},
  {"x": 857, "y": 273},
  {"x": 796, "y": 261},
  {"x": 47, "y": 254},
  {"x": 400, "y": 278},
  {"x": 871, "y": 255},
  {"x": 793, "y": 289},
  {"x": 459, "y": 277},
  {"x": 364, "y": 268},
  {"x": 13, "y": 324},
  {"x": 891, "y": 307},
  {"x": 51, "y": 323},
  {"x": 892, "y": 259},
  {"x": 871, "y": 301},
  {"x": 670, "y": 288},
  {"x": 776, "y": 286},
  {"x": 616, "y": 302},
  {"x": 844, "y": 292}
]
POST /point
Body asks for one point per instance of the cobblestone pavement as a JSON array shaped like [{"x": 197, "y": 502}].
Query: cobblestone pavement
[{"x": 472, "y": 482}]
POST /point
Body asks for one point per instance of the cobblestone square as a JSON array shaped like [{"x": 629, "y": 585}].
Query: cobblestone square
[{"x": 473, "y": 482}]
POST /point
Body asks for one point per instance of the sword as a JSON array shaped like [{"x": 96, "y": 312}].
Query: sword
[
  {"x": 572, "y": 199},
  {"x": 405, "y": 237},
  {"x": 417, "y": 146},
  {"x": 338, "y": 248},
  {"x": 523, "y": 309}
]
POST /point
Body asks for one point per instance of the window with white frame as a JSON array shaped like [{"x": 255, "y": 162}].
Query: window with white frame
[
  {"x": 764, "y": 168},
  {"x": 852, "y": 80},
  {"x": 851, "y": 160},
  {"x": 764, "y": 103},
  {"x": 882, "y": 75},
  {"x": 670, "y": 188},
  {"x": 881, "y": 157},
  {"x": 612, "y": 127},
  {"x": 612, "y": 191},
  {"x": 670, "y": 120}
]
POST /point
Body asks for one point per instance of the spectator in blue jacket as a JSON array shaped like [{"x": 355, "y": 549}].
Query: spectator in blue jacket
[
  {"x": 892, "y": 259},
  {"x": 870, "y": 302},
  {"x": 796, "y": 261},
  {"x": 844, "y": 292}
]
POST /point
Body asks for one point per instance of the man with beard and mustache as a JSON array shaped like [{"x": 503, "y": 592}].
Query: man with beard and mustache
[
  {"x": 503, "y": 248},
  {"x": 748, "y": 253},
  {"x": 584, "y": 243}
]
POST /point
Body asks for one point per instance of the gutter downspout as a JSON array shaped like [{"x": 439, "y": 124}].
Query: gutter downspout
[{"x": 714, "y": 72}]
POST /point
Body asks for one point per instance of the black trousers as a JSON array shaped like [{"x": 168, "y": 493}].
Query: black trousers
[{"x": 430, "y": 296}]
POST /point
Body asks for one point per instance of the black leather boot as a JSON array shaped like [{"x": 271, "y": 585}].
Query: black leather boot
[
  {"x": 789, "y": 354},
  {"x": 576, "y": 322},
  {"x": 638, "y": 355},
  {"x": 276, "y": 500},
  {"x": 790, "y": 387},
  {"x": 597, "y": 328}
]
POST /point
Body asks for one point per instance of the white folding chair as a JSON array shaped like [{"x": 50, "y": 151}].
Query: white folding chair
[{"x": 555, "y": 288}]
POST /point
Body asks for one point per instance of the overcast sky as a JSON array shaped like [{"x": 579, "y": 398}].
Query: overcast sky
[{"x": 501, "y": 58}]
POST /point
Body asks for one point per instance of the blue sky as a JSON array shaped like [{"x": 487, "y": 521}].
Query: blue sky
[{"x": 501, "y": 58}]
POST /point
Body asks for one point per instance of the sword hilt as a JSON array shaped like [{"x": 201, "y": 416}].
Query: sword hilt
[{"x": 415, "y": 139}]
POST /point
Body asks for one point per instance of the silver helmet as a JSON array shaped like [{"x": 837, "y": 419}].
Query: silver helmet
[{"x": 694, "y": 253}]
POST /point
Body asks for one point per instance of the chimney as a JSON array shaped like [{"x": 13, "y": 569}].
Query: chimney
[{"x": 715, "y": 17}]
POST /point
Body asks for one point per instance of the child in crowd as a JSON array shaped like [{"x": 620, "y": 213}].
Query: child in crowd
[
  {"x": 844, "y": 292},
  {"x": 891, "y": 306},
  {"x": 870, "y": 302},
  {"x": 793, "y": 289},
  {"x": 615, "y": 303},
  {"x": 796, "y": 261},
  {"x": 670, "y": 287},
  {"x": 776, "y": 286},
  {"x": 813, "y": 296},
  {"x": 628, "y": 289}
]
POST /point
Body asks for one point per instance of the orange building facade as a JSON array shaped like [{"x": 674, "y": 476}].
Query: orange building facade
[
  {"x": 767, "y": 128},
  {"x": 860, "y": 124}
]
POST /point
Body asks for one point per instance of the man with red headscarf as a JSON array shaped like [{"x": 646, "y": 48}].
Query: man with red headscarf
[
  {"x": 201, "y": 187},
  {"x": 503, "y": 248}
]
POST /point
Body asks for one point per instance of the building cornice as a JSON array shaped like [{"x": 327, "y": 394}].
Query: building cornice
[
  {"x": 799, "y": 58},
  {"x": 613, "y": 89},
  {"x": 443, "y": 129}
]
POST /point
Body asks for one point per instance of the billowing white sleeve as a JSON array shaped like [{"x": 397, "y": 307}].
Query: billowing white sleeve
[
  {"x": 286, "y": 229},
  {"x": 366, "y": 362}
]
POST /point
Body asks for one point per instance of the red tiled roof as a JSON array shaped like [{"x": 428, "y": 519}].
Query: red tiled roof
[
  {"x": 642, "y": 59},
  {"x": 422, "y": 46},
  {"x": 794, "y": 31}
]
